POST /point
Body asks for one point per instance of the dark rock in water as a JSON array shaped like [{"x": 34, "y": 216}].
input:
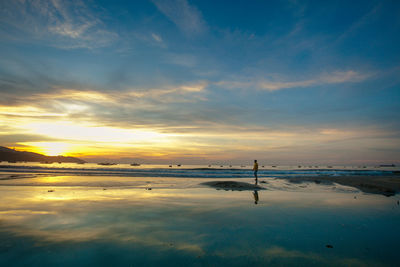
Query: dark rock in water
[
  {"x": 317, "y": 181},
  {"x": 148, "y": 188},
  {"x": 232, "y": 185},
  {"x": 329, "y": 246},
  {"x": 397, "y": 202},
  {"x": 263, "y": 182}
]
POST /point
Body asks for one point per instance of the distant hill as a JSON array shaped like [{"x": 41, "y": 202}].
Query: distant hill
[{"x": 11, "y": 155}]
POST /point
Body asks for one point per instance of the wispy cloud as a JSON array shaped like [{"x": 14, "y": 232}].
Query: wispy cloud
[
  {"x": 367, "y": 18},
  {"x": 156, "y": 37},
  {"x": 335, "y": 77},
  {"x": 185, "y": 16},
  {"x": 64, "y": 24}
]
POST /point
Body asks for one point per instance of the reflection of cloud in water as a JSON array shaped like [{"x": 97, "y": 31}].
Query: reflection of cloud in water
[
  {"x": 317, "y": 259},
  {"x": 199, "y": 222}
]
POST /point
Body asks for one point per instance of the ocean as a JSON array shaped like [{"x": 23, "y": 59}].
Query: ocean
[{"x": 192, "y": 171}]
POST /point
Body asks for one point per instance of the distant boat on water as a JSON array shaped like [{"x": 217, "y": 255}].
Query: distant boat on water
[
  {"x": 135, "y": 164},
  {"x": 106, "y": 163},
  {"x": 387, "y": 165}
]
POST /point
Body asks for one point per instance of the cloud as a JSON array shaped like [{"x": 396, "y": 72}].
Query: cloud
[
  {"x": 366, "y": 19},
  {"x": 156, "y": 37},
  {"x": 185, "y": 60},
  {"x": 185, "y": 16},
  {"x": 335, "y": 77},
  {"x": 63, "y": 24}
]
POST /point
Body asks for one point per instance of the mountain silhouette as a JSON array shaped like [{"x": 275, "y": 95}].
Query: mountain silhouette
[{"x": 11, "y": 155}]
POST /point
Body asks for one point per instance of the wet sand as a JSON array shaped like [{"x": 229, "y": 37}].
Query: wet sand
[
  {"x": 384, "y": 185},
  {"x": 232, "y": 185}
]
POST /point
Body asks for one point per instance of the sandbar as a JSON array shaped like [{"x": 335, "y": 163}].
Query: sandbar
[
  {"x": 384, "y": 185},
  {"x": 232, "y": 185}
]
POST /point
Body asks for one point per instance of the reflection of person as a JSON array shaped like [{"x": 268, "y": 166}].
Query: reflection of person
[
  {"x": 255, "y": 169},
  {"x": 255, "y": 195}
]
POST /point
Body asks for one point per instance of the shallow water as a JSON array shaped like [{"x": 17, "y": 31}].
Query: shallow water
[
  {"x": 191, "y": 171},
  {"x": 116, "y": 221}
]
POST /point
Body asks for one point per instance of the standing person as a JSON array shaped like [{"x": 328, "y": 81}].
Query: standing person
[{"x": 255, "y": 169}]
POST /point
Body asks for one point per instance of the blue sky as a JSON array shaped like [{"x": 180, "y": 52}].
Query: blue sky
[{"x": 227, "y": 81}]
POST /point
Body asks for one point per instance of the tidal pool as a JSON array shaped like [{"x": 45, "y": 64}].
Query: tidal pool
[{"x": 178, "y": 222}]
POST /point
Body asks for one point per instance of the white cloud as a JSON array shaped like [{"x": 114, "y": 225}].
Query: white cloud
[
  {"x": 64, "y": 24},
  {"x": 185, "y": 16},
  {"x": 349, "y": 76},
  {"x": 156, "y": 37}
]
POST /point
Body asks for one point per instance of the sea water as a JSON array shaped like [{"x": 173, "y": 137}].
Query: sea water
[{"x": 50, "y": 218}]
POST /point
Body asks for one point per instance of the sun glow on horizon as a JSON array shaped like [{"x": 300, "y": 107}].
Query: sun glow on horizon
[{"x": 48, "y": 148}]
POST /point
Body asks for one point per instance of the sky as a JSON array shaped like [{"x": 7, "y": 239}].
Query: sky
[{"x": 284, "y": 82}]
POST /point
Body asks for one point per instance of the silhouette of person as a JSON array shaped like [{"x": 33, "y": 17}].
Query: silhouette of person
[
  {"x": 255, "y": 195},
  {"x": 255, "y": 169}
]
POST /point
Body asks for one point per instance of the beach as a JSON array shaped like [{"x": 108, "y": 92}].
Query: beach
[{"x": 65, "y": 219}]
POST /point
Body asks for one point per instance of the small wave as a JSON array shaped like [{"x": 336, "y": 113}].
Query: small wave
[{"x": 187, "y": 173}]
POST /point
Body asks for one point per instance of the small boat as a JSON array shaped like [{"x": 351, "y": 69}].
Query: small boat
[
  {"x": 178, "y": 165},
  {"x": 135, "y": 164},
  {"x": 106, "y": 163},
  {"x": 170, "y": 166}
]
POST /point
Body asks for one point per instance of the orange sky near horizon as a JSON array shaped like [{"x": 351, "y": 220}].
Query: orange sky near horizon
[{"x": 61, "y": 134}]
